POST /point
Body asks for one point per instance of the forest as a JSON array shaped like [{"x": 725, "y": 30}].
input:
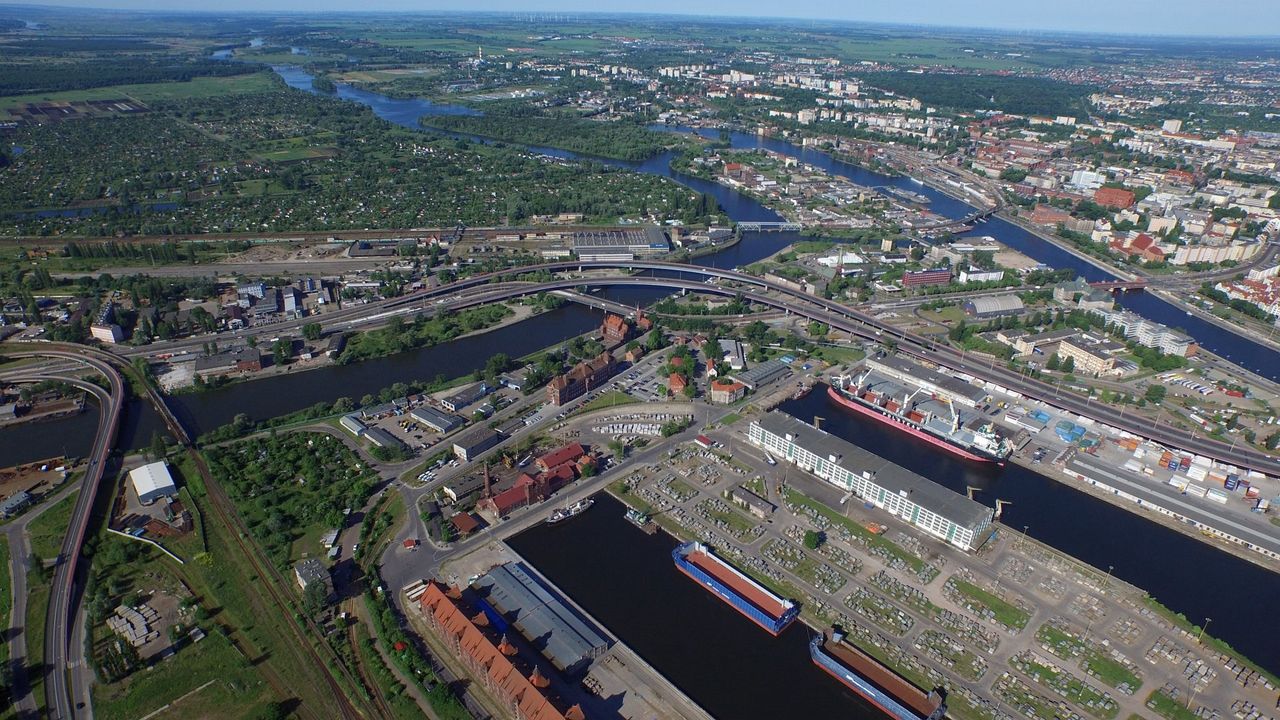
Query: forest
[
  {"x": 1021, "y": 95},
  {"x": 622, "y": 141},
  {"x": 286, "y": 160},
  {"x": 285, "y": 485},
  {"x": 45, "y": 77}
]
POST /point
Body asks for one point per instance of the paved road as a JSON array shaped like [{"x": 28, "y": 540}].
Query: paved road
[
  {"x": 60, "y": 656},
  {"x": 19, "y": 550}
]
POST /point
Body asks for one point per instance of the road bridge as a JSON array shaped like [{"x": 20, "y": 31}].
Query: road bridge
[
  {"x": 766, "y": 226},
  {"x": 1138, "y": 284},
  {"x": 60, "y": 622}
]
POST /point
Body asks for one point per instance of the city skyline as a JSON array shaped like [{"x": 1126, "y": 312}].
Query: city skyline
[{"x": 1177, "y": 18}]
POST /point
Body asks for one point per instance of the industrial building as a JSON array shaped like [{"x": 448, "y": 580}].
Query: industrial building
[
  {"x": 932, "y": 381},
  {"x": 475, "y": 441},
  {"x": 510, "y": 594},
  {"x": 353, "y": 424},
  {"x": 762, "y": 374},
  {"x": 439, "y": 421},
  {"x": 152, "y": 482},
  {"x": 466, "y": 396},
  {"x": 946, "y": 515},
  {"x": 616, "y": 245},
  {"x": 924, "y": 278},
  {"x": 989, "y": 306},
  {"x": 491, "y": 661},
  {"x": 382, "y": 438}
]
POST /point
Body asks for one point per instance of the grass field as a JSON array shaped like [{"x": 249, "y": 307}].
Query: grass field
[
  {"x": 1005, "y": 613},
  {"x": 6, "y": 583},
  {"x": 37, "y": 609},
  {"x": 1167, "y": 707},
  {"x": 236, "y": 689},
  {"x": 147, "y": 92},
  {"x": 304, "y": 153},
  {"x": 47, "y": 531},
  {"x": 612, "y": 398},
  {"x": 857, "y": 530}
]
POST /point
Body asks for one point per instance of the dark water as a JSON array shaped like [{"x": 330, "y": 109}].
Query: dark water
[
  {"x": 1183, "y": 573},
  {"x": 1246, "y": 353},
  {"x": 720, "y": 659},
  {"x": 73, "y": 436}
]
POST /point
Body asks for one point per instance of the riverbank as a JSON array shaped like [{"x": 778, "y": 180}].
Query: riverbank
[
  {"x": 1144, "y": 509},
  {"x": 519, "y": 313},
  {"x": 1261, "y": 333}
]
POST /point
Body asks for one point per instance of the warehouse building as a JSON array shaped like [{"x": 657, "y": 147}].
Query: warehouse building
[
  {"x": 989, "y": 306},
  {"x": 619, "y": 245},
  {"x": 510, "y": 594},
  {"x": 466, "y": 396},
  {"x": 932, "y": 381},
  {"x": 383, "y": 439},
  {"x": 762, "y": 374},
  {"x": 439, "y": 421},
  {"x": 353, "y": 425},
  {"x": 475, "y": 441},
  {"x": 941, "y": 513},
  {"x": 152, "y": 482}
]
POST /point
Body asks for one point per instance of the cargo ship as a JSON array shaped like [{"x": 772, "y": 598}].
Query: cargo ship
[
  {"x": 874, "y": 682},
  {"x": 562, "y": 514},
  {"x": 929, "y": 418},
  {"x": 757, "y": 603}
]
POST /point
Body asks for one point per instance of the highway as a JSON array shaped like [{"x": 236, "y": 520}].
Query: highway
[
  {"x": 62, "y": 613},
  {"x": 496, "y": 287}
]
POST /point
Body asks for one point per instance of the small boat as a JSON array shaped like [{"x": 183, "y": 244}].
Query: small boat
[
  {"x": 562, "y": 514},
  {"x": 641, "y": 520}
]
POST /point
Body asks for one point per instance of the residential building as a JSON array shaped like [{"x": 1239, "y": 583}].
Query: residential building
[
  {"x": 313, "y": 572},
  {"x": 724, "y": 392},
  {"x": 946, "y": 515},
  {"x": 1149, "y": 333},
  {"x": 107, "y": 333},
  {"x": 976, "y": 276}
]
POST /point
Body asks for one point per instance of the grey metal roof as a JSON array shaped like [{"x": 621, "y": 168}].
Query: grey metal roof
[
  {"x": 564, "y": 637},
  {"x": 995, "y": 304},
  {"x": 953, "y": 385},
  {"x": 894, "y": 478},
  {"x": 762, "y": 373},
  {"x": 441, "y": 421},
  {"x": 382, "y": 438}
]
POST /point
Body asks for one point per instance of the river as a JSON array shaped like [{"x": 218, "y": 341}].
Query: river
[{"x": 1183, "y": 573}]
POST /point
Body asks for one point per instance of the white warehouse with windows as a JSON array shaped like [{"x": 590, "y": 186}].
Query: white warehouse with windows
[{"x": 946, "y": 515}]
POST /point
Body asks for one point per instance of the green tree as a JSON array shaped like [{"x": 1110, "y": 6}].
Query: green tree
[
  {"x": 812, "y": 539},
  {"x": 1155, "y": 394},
  {"x": 312, "y": 331},
  {"x": 1054, "y": 362},
  {"x": 1069, "y": 365},
  {"x": 158, "y": 449}
]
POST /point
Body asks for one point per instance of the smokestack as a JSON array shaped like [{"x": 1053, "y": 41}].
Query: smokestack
[{"x": 487, "y": 488}]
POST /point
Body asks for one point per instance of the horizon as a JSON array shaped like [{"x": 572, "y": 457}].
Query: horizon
[{"x": 876, "y": 17}]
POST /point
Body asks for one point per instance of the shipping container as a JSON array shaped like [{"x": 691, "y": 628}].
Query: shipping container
[
  {"x": 1194, "y": 490},
  {"x": 1216, "y": 495},
  {"x": 1231, "y": 483}
]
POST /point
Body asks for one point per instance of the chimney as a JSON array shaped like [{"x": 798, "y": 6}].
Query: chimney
[{"x": 488, "y": 490}]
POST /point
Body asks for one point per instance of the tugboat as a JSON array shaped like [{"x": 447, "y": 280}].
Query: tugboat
[
  {"x": 562, "y": 514},
  {"x": 641, "y": 520}
]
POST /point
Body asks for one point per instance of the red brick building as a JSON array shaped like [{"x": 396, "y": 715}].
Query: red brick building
[
  {"x": 1048, "y": 215},
  {"x": 583, "y": 378},
  {"x": 724, "y": 392},
  {"x": 1114, "y": 197},
  {"x": 923, "y": 278},
  {"x": 614, "y": 330},
  {"x": 493, "y": 662}
]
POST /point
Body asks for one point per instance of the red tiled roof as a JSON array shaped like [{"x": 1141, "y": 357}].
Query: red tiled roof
[{"x": 562, "y": 454}]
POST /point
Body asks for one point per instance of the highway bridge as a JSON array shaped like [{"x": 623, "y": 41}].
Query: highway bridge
[
  {"x": 1138, "y": 284},
  {"x": 499, "y": 287},
  {"x": 60, "y": 623},
  {"x": 754, "y": 226}
]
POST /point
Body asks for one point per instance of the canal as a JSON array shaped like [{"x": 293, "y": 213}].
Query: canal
[{"x": 723, "y": 661}]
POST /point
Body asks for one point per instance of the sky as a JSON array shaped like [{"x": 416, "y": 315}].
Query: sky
[{"x": 1141, "y": 17}]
